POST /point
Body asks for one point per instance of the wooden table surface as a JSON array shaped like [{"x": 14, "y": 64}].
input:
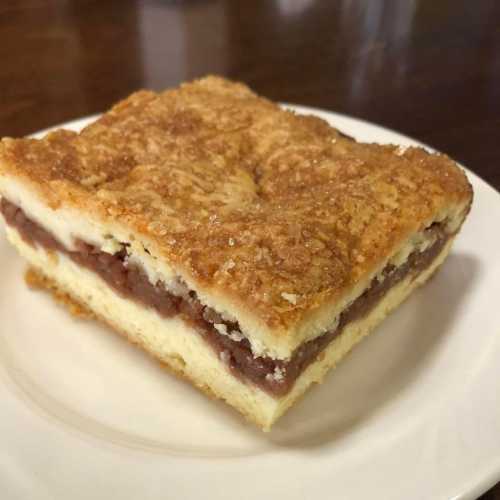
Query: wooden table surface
[{"x": 429, "y": 68}]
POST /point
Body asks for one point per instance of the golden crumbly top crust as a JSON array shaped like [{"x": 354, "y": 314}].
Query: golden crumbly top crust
[{"x": 277, "y": 211}]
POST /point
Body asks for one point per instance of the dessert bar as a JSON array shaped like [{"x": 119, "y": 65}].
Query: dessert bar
[{"x": 247, "y": 247}]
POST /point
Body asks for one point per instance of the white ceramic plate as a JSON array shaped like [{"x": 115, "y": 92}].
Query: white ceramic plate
[{"x": 413, "y": 412}]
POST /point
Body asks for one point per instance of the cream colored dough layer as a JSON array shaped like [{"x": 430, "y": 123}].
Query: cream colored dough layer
[{"x": 183, "y": 350}]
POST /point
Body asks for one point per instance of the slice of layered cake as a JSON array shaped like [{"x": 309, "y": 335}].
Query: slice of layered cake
[{"x": 246, "y": 247}]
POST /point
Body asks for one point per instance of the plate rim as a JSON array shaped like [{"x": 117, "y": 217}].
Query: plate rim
[{"x": 486, "y": 479}]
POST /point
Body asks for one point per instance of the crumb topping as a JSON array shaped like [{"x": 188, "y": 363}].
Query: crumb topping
[
  {"x": 401, "y": 150},
  {"x": 290, "y": 297},
  {"x": 260, "y": 203}
]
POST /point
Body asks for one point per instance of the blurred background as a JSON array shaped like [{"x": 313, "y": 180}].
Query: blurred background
[{"x": 427, "y": 68}]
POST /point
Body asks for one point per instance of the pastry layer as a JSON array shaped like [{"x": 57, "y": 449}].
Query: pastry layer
[
  {"x": 66, "y": 227},
  {"x": 179, "y": 346},
  {"x": 275, "y": 219},
  {"x": 273, "y": 376}
]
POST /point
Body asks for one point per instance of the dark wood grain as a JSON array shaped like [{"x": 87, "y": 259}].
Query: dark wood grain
[{"x": 430, "y": 69}]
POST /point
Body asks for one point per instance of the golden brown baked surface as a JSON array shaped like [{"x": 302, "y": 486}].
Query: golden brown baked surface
[{"x": 277, "y": 210}]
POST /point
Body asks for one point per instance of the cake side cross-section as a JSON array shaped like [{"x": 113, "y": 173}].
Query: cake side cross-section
[{"x": 271, "y": 233}]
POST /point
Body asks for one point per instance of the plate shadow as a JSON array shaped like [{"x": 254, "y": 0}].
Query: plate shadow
[{"x": 383, "y": 365}]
